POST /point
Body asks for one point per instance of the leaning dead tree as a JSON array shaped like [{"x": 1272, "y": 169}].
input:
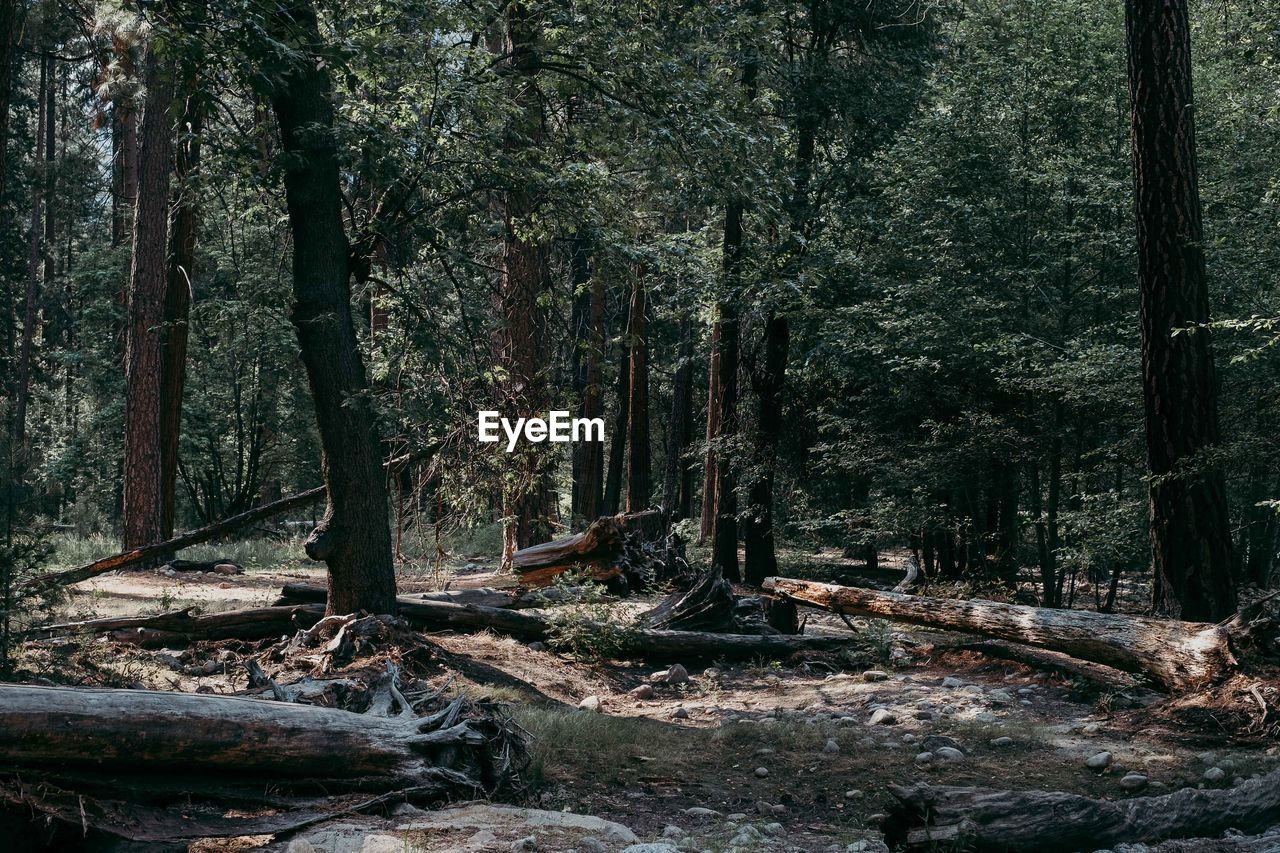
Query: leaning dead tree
[
  {"x": 611, "y": 548},
  {"x": 943, "y": 818},
  {"x": 1179, "y": 655}
]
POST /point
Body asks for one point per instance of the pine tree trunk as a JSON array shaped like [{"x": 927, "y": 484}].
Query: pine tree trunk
[
  {"x": 1192, "y": 552},
  {"x": 759, "y": 557},
  {"x": 724, "y": 534},
  {"x": 30, "y": 311},
  {"x": 588, "y": 456},
  {"x": 617, "y": 445},
  {"x": 676, "y": 480},
  {"x": 177, "y": 308},
  {"x": 147, "y": 285},
  {"x": 354, "y": 536},
  {"x": 713, "y": 429},
  {"x": 639, "y": 488}
]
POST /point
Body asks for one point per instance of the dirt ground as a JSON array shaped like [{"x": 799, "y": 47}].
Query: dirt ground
[{"x": 763, "y": 755}]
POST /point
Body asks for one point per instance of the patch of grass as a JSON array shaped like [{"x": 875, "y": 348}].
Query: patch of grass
[{"x": 254, "y": 554}]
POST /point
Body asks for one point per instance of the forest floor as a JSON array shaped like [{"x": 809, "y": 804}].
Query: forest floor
[{"x": 758, "y": 756}]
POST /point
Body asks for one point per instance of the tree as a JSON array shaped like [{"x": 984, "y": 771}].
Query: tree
[
  {"x": 1191, "y": 546},
  {"x": 639, "y": 489},
  {"x": 354, "y": 536}
]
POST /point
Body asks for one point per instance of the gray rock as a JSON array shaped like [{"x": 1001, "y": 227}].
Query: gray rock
[
  {"x": 934, "y": 742},
  {"x": 300, "y": 845},
  {"x": 673, "y": 832},
  {"x": 483, "y": 838},
  {"x": 591, "y": 703},
  {"x": 948, "y": 754},
  {"x": 1133, "y": 782},
  {"x": 591, "y": 844},
  {"x": 536, "y": 646},
  {"x": 676, "y": 675},
  {"x": 1000, "y": 695},
  {"x": 854, "y": 794},
  {"x": 924, "y": 758},
  {"x": 882, "y": 717},
  {"x": 644, "y": 691},
  {"x": 679, "y": 714},
  {"x": 521, "y": 845},
  {"x": 951, "y": 682},
  {"x": 652, "y": 847},
  {"x": 875, "y": 675},
  {"x": 699, "y": 811},
  {"x": 831, "y": 747},
  {"x": 735, "y": 817},
  {"x": 1002, "y": 741},
  {"x": 1215, "y": 774},
  {"x": 1099, "y": 762},
  {"x": 774, "y": 829},
  {"x": 986, "y": 717},
  {"x": 762, "y": 772}
]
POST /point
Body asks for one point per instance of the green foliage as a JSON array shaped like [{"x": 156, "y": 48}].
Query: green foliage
[{"x": 583, "y": 620}]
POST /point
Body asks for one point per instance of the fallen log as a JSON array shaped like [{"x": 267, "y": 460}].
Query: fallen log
[
  {"x": 180, "y": 627},
  {"x": 596, "y": 549},
  {"x": 185, "y": 540},
  {"x": 301, "y": 593},
  {"x": 1180, "y": 655},
  {"x": 222, "y": 567},
  {"x": 711, "y": 605},
  {"x": 941, "y": 818}
]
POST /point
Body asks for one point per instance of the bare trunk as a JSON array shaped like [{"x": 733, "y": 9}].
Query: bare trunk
[
  {"x": 677, "y": 481},
  {"x": 618, "y": 443},
  {"x": 713, "y": 429},
  {"x": 639, "y": 490},
  {"x": 588, "y": 456},
  {"x": 724, "y": 534},
  {"x": 759, "y": 556}
]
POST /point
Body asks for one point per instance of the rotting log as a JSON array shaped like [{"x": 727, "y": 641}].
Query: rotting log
[
  {"x": 180, "y": 627},
  {"x": 943, "y": 818},
  {"x": 1179, "y": 655},
  {"x": 596, "y": 549},
  {"x": 511, "y": 599}
]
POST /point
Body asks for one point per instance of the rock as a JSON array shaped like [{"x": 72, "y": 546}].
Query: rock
[
  {"x": 679, "y": 714},
  {"x": 300, "y": 845},
  {"x": 1000, "y": 695},
  {"x": 735, "y": 817},
  {"x": 951, "y": 682},
  {"x": 1133, "y": 782},
  {"x": 1215, "y": 774},
  {"x": 882, "y": 717},
  {"x": 746, "y": 836},
  {"x": 483, "y": 838},
  {"x": 1099, "y": 762},
  {"x": 986, "y": 717},
  {"x": 854, "y": 794},
  {"x": 762, "y": 772},
  {"x": 831, "y": 747},
  {"x": 591, "y": 844},
  {"x": 711, "y": 672},
  {"x": 228, "y": 569},
  {"x": 775, "y": 829},
  {"x": 520, "y": 845},
  {"x": 644, "y": 691},
  {"x": 875, "y": 675},
  {"x": 935, "y": 742},
  {"x": 676, "y": 675},
  {"x": 652, "y": 847},
  {"x": 673, "y": 832},
  {"x": 866, "y": 846},
  {"x": 591, "y": 703},
  {"x": 699, "y": 811},
  {"x": 909, "y": 738},
  {"x": 1002, "y": 741},
  {"x": 925, "y": 715},
  {"x": 486, "y": 816},
  {"x": 949, "y": 754},
  {"x": 536, "y": 646},
  {"x": 924, "y": 758}
]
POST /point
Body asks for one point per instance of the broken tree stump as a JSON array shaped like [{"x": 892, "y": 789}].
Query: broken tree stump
[
  {"x": 943, "y": 818},
  {"x": 596, "y": 549},
  {"x": 1179, "y": 655}
]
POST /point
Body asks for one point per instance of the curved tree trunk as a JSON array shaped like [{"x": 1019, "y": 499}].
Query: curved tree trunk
[{"x": 353, "y": 537}]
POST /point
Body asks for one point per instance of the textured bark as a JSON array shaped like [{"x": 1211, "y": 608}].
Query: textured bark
[
  {"x": 354, "y": 536},
  {"x": 181, "y": 627},
  {"x": 1191, "y": 543},
  {"x": 936, "y": 817},
  {"x": 708, "y": 516},
  {"x": 677, "y": 480},
  {"x": 597, "y": 548},
  {"x": 1180, "y": 655},
  {"x": 21, "y": 381},
  {"x": 8, "y": 34},
  {"x": 148, "y": 280},
  {"x": 124, "y": 152},
  {"x": 724, "y": 532},
  {"x": 153, "y": 551},
  {"x": 177, "y": 306},
  {"x": 639, "y": 487},
  {"x": 588, "y": 456},
  {"x": 759, "y": 556},
  {"x": 618, "y": 444}
]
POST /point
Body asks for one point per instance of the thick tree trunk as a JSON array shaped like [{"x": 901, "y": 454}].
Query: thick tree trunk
[
  {"x": 759, "y": 556},
  {"x": 618, "y": 443},
  {"x": 1180, "y": 655},
  {"x": 936, "y": 817},
  {"x": 597, "y": 548},
  {"x": 676, "y": 481},
  {"x": 124, "y": 150},
  {"x": 724, "y": 534},
  {"x": 147, "y": 285},
  {"x": 177, "y": 306},
  {"x": 8, "y": 36},
  {"x": 588, "y": 456},
  {"x": 21, "y": 382},
  {"x": 354, "y": 536},
  {"x": 1190, "y": 535},
  {"x": 639, "y": 489},
  {"x": 708, "y": 517}
]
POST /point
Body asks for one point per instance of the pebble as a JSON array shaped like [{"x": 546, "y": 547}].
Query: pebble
[
  {"x": 1099, "y": 762},
  {"x": 680, "y": 714},
  {"x": 673, "y": 832},
  {"x": 883, "y": 717},
  {"x": 536, "y": 646},
  {"x": 935, "y": 742},
  {"x": 949, "y": 754},
  {"x": 762, "y": 772},
  {"x": 483, "y": 838},
  {"x": 677, "y": 674},
  {"x": 986, "y": 717},
  {"x": 591, "y": 844},
  {"x": 1092, "y": 728},
  {"x": 909, "y": 738},
  {"x": 736, "y": 816},
  {"x": 951, "y": 682},
  {"x": 591, "y": 703},
  {"x": 529, "y": 842},
  {"x": 1000, "y": 695},
  {"x": 775, "y": 829},
  {"x": 711, "y": 672},
  {"x": 644, "y": 691},
  {"x": 1215, "y": 774},
  {"x": 699, "y": 811},
  {"x": 854, "y": 794},
  {"x": 831, "y": 747},
  {"x": 1133, "y": 782},
  {"x": 1002, "y": 741},
  {"x": 652, "y": 847},
  {"x": 924, "y": 758},
  {"x": 875, "y": 675}
]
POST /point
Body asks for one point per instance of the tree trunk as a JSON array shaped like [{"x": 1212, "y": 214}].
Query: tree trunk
[
  {"x": 21, "y": 387},
  {"x": 713, "y": 429},
  {"x": 639, "y": 490},
  {"x": 8, "y": 35},
  {"x": 1191, "y": 543},
  {"x": 759, "y": 556},
  {"x": 588, "y": 456},
  {"x": 147, "y": 285},
  {"x": 177, "y": 306},
  {"x": 943, "y": 817},
  {"x": 724, "y": 533},
  {"x": 1181, "y": 656},
  {"x": 676, "y": 480},
  {"x": 354, "y": 536},
  {"x": 618, "y": 444},
  {"x": 597, "y": 548}
]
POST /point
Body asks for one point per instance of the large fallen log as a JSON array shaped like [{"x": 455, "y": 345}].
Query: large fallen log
[
  {"x": 1180, "y": 655},
  {"x": 944, "y": 818},
  {"x": 180, "y": 627},
  {"x": 511, "y": 599},
  {"x": 596, "y": 549}
]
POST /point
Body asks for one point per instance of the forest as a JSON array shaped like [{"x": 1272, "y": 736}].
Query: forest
[{"x": 614, "y": 425}]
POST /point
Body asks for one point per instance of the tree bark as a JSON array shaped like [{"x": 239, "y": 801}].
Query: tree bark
[
  {"x": 618, "y": 444},
  {"x": 354, "y": 536},
  {"x": 1180, "y": 655},
  {"x": 1192, "y": 552},
  {"x": 759, "y": 556},
  {"x": 147, "y": 285},
  {"x": 597, "y": 548},
  {"x": 677, "y": 482},
  {"x": 588, "y": 456},
  {"x": 177, "y": 304},
  {"x": 724, "y": 533},
  {"x": 21, "y": 382},
  {"x": 639, "y": 488},
  {"x": 943, "y": 817},
  {"x": 708, "y": 515}
]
